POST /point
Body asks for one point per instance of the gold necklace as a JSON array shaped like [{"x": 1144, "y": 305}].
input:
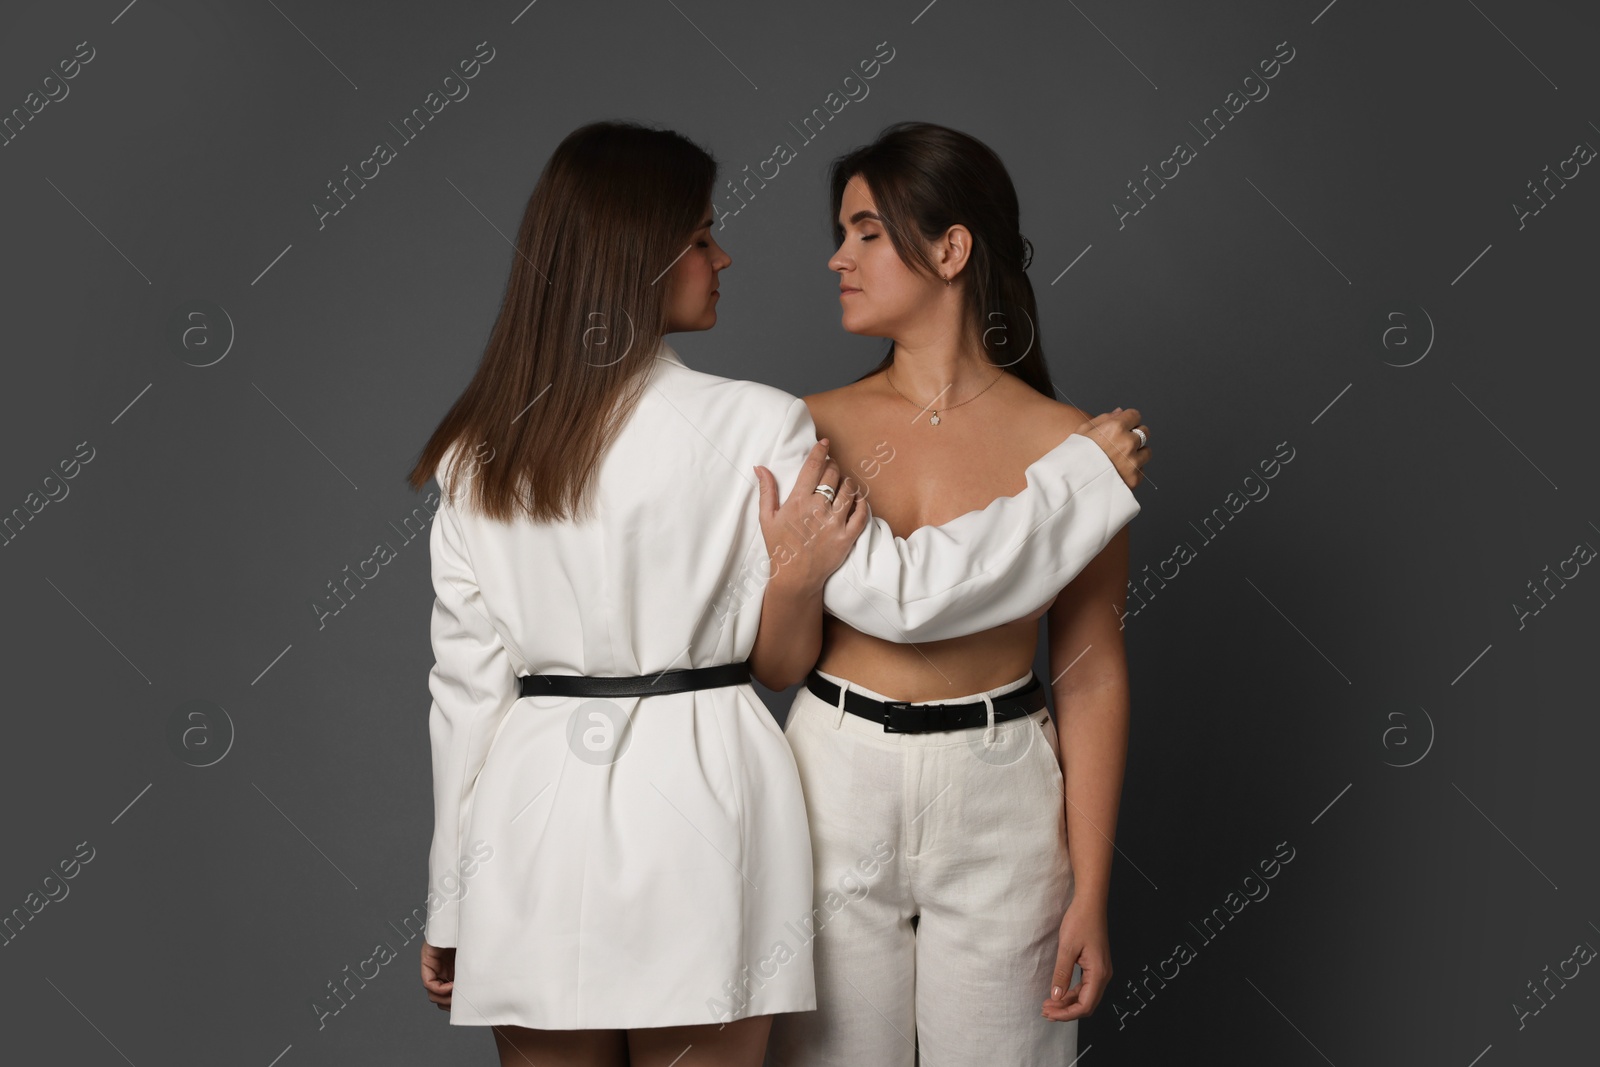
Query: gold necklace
[{"x": 933, "y": 416}]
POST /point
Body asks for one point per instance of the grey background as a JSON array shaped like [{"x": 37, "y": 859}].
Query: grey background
[{"x": 1360, "y": 617}]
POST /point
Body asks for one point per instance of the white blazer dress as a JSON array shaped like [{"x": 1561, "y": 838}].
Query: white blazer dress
[{"x": 645, "y": 861}]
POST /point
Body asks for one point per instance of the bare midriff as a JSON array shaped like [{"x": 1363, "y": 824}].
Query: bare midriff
[{"x": 931, "y": 670}]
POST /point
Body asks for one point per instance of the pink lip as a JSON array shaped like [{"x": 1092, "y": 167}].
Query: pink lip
[{"x": 845, "y": 292}]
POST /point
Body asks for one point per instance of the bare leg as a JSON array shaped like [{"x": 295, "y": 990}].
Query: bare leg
[
  {"x": 520, "y": 1046},
  {"x": 736, "y": 1044}
]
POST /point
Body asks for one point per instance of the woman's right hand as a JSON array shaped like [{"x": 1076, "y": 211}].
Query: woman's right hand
[
  {"x": 1113, "y": 432},
  {"x": 808, "y": 537}
]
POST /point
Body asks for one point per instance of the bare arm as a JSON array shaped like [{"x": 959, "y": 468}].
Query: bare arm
[
  {"x": 790, "y": 638},
  {"x": 1089, "y": 662},
  {"x": 1092, "y": 705}
]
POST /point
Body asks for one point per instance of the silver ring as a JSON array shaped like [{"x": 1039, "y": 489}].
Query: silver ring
[
  {"x": 825, "y": 490},
  {"x": 1143, "y": 440}
]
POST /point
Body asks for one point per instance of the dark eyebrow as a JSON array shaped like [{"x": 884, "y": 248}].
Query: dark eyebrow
[
  {"x": 706, "y": 225},
  {"x": 858, "y": 216}
]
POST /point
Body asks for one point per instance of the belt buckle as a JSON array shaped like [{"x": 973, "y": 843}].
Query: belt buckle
[{"x": 892, "y": 707}]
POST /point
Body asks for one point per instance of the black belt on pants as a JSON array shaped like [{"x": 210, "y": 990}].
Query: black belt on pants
[
  {"x": 644, "y": 685},
  {"x": 901, "y": 717}
]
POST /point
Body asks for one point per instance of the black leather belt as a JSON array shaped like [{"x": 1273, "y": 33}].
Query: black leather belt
[
  {"x": 901, "y": 717},
  {"x": 644, "y": 685}
]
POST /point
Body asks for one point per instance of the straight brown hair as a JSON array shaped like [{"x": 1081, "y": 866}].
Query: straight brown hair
[
  {"x": 926, "y": 178},
  {"x": 584, "y": 312}
]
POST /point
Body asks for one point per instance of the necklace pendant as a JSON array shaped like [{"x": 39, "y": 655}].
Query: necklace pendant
[{"x": 934, "y": 418}]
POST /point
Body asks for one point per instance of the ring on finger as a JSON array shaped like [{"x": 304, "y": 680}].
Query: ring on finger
[
  {"x": 825, "y": 490},
  {"x": 1144, "y": 438}
]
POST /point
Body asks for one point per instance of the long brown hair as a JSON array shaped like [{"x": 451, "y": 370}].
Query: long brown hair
[
  {"x": 580, "y": 322},
  {"x": 926, "y": 178}
]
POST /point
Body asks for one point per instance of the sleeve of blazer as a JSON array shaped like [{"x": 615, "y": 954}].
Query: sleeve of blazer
[
  {"x": 980, "y": 569},
  {"x": 474, "y": 684}
]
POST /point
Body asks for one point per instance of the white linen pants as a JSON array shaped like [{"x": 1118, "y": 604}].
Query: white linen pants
[{"x": 963, "y": 831}]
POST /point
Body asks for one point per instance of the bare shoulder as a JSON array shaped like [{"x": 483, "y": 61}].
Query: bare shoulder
[
  {"x": 845, "y": 395},
  {"x": 834, "y": 408},
  {"x": 1048, "y": 421},
  {"x": 1061, "y": 419}
]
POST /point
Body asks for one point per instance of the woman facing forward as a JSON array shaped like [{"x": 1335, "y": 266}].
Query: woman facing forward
[
  {"x": 966, "y": 938},
  {"x": 620, "y": 854}
]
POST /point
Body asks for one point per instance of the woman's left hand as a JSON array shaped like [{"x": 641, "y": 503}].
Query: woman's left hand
[
  {"x": 438, "y": 973},
  {"x": 1085, "y": 940}
]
